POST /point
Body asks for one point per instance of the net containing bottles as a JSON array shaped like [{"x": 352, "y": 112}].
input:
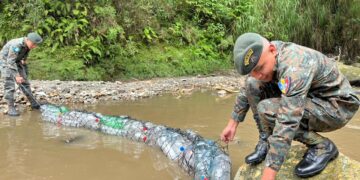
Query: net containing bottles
[{"x": 204, "y": 159}]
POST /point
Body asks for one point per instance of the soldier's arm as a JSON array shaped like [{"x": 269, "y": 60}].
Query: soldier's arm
[
  {"x": 241, "y": 106},
  {"x": 238, "y": 115},
  {"x": 11, "y": 60},
  {"x": 292, "y": 105}
]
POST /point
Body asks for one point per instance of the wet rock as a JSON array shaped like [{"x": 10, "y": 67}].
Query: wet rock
[
  {"x": 226, "y": 88},
  {"x": 341, "y": 168},
  {"x": 221, "y": 93},
  {"x": 187, "y": 91}
]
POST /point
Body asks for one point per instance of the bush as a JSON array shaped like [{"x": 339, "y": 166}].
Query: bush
[{"x": 108, "y": 39}]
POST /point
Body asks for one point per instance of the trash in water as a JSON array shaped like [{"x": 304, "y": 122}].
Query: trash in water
[{"x": 201, "y": 158}]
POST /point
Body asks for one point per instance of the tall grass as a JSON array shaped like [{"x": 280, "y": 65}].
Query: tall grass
[{"x": 325, "y": 25}]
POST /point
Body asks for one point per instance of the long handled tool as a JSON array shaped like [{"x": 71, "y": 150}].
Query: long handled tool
[{"x": 30, "y": 95}]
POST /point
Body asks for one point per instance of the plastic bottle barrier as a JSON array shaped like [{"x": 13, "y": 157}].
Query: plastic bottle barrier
[{"x": 204, "y": 159}]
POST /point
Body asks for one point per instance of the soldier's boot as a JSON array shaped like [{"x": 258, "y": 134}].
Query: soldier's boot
[
  {"x": 11, "y": 109},
  {"x": 316, "y": 159},
  {"x": 261, "y": 148}
]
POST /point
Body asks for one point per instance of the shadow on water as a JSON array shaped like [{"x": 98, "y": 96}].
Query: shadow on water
[{"x": 32, "y": 149}]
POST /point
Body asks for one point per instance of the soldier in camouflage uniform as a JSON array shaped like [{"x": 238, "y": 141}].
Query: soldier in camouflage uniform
[
  {"x": 1, "y": 70},
  {"x": 295, "y": 92},
  {"x": 13, "y": 57}
]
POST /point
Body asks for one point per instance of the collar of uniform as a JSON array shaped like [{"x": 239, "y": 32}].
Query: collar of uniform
[
  {"x": 278, "y": 48},
  {"x": 23, "y": 44}
]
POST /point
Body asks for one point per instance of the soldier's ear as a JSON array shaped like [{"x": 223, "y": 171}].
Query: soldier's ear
[{"x": 272, "y": 49}]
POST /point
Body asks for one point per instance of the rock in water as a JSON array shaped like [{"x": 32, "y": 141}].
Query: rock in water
[{"x": 341, "y": 168}]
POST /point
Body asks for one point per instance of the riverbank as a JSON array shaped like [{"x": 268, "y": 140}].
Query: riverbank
[{"x": 91, "y": 92}]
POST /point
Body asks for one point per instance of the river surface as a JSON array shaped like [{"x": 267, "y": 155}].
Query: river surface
[{"x": 32, "y": 149}]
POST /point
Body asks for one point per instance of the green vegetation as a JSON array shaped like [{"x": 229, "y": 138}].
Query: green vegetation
[{"x": 117, "y": 39}]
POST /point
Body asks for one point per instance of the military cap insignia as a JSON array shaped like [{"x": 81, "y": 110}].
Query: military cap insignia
[
  {"x": 248, "y": 56},
  {"x": 284, "y": 84},
  {"x": 16, "y": 49}
]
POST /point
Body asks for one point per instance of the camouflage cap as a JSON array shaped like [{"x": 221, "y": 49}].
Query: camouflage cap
[
  {"x": 247, "y": 51},
  {"x": 34, "y": 37}
]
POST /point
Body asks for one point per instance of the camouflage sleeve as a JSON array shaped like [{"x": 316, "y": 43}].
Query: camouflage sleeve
[
  {"x": 241, "y": 106},
  {"x": 11, "y": 60},
  {"x": 295, "y": 83}
]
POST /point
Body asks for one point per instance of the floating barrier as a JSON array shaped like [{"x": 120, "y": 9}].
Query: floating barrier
[{"x": 204, "y": 159}]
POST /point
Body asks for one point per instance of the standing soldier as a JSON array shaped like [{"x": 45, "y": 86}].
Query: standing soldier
[
  {"x": 294, "y": 93},
  {"x": 13, "y": 56},
  {"x": 1, "y": 69}
]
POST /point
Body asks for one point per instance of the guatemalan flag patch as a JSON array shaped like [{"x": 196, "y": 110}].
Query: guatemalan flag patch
[
  {"x": 284, "y": 84},
  {"x": 16, "y": 49}
]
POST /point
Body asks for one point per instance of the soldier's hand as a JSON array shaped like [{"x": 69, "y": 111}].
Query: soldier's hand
[
  {"x": 19, "y": 79},
  {"x": 229, "y": 131}
]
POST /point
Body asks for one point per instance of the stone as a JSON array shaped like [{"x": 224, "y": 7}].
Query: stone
[
  {"x": 221, "y": 93},
  {"x": 68, "y": 96},
  {"x": 115, "y": 98},
  {"x": 341, "y": 168},
  {"x": 41, "y": 94}
]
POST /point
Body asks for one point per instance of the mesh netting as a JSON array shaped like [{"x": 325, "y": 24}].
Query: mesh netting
[{"x": 201, "y": 158}]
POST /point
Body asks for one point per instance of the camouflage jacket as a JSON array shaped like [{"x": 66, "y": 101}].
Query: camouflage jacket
[
  {"x": 11, "y": 54},
  {"x": 301, "y": 72}
]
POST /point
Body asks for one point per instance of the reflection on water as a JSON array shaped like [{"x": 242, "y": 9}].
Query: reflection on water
[{"x": 32, "y": 149}]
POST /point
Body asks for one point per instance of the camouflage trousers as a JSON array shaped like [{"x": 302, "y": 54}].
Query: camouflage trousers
[
  {"x": 320, "y": 115},
  {"x": 9, "y": 83},
  {"x": 1, "y": 79},
  {"x": 1, "y": 69}
]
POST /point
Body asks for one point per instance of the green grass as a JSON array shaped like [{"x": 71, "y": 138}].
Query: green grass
[{"x": 157, "y": 61}]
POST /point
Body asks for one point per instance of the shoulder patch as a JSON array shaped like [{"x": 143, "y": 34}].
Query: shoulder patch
[
  {"x": 16, "y": 49},
  {"x": 284, "y": 84}
]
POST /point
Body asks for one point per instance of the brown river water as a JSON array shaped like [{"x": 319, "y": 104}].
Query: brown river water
[{"x": 32, "y": 149}]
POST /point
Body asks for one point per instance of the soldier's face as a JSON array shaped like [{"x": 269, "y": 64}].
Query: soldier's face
[
  {"x": 264, "y": 70},
  {"x": 30, "y": 44}
]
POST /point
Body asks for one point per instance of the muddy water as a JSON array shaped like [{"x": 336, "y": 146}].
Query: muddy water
[{"x": 31, "y": 149}]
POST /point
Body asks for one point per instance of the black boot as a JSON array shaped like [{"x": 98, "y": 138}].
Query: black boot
[
  {"x": 316, "y": 158},
  {"x": 11, "y": 109},
  {"x": 261, "y": 148}
]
